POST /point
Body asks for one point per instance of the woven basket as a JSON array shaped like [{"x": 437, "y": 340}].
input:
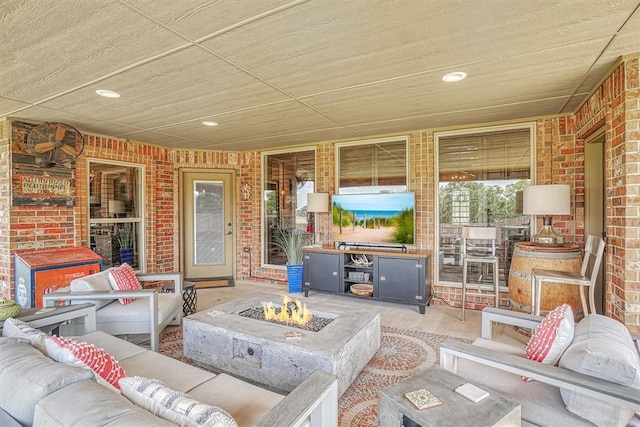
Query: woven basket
[
  {"x": 362, "y": 289},
  {"x": 8, "y": 308}
]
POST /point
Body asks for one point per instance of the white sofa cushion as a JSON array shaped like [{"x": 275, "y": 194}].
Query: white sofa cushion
[
  {"x": 118, "y": 348},
  {"x": 176, "y": 407},
  {"x": 138, "y": 310},
  {"x": 86, "y": 403},
  {"x": 94, "y": 282},
  {"x": 601, "y": 348},
  {"x": 231, "y": 393},
  {"x": 145, "y": 363},
  {"x": 27, "y": 375},
  {"x": 246, "y": 402}
]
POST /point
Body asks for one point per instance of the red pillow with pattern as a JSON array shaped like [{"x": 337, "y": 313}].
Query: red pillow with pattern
[
  {"x": 123, "y": 278},
  {"x": 552, "y": 337},
  {"x": 83, "y": 355}
]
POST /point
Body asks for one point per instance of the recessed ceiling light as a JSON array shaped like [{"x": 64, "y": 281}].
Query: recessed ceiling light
[
  {"x": 108, "y": 93},
  {"x": 209, "y": 123},
  {"x": 456, "y": 76}
]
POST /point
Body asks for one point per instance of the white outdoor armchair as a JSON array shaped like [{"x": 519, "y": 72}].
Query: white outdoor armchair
[
  {"x": 593, "y": 252},
  {"x": 500, "y": 366},
  {"x": 149, "y": 313}
]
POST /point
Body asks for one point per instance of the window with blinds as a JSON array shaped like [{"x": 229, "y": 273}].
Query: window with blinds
[
  {"x": 372, "y": 166},
  {"x": 480, "y": 176},
  {"x": 487, "y": 156}
]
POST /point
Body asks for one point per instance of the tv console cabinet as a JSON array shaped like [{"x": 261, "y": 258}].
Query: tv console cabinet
[{"x": 396, "y": 276}]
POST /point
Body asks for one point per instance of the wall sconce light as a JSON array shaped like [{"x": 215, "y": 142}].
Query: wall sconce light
[
  {"x": 547, "y": 200},
  {"x": 317, "y": 203}
]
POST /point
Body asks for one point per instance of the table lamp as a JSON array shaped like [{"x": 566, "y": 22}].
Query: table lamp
[
  {"x": 547, "y": 200},
  {"x": 317, "y": 203}
]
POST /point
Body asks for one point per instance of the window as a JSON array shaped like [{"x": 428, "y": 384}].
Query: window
[
  {"x": 116, "y": 212},
  {"x": 287, "y": 179},
  {"x": 481, "y": 175},
  {"x": 372, "y": 206},
  {"x": 372, "y": 166}
]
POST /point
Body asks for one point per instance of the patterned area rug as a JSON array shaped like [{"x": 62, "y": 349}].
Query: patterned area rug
[{"x": 402, "y": 353}]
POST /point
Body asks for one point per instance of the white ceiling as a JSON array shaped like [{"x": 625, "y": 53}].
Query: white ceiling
[{"x": 281, "y": 72}]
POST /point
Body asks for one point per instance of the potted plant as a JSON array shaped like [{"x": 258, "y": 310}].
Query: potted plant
[
  {"x": 124, "y": 234},
  {"x": 292, "y": 242}
]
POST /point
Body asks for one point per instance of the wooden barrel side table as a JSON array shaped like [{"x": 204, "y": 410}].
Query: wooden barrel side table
[{"x": 527, "y": 256}]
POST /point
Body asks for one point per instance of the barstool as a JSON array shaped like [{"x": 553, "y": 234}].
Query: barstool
[{"x": 479, "y": 246}]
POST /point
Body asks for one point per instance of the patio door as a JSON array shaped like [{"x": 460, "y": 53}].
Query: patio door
[
  {"x": 208, "y": 231},
  {"x": 595, "y": 204}
]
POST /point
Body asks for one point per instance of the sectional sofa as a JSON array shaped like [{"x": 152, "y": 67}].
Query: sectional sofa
[{"x": 36, "y": 390}]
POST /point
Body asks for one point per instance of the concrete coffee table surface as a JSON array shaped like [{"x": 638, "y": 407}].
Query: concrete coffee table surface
[
  {"x": 259, "y": 351},
  {"x": 456, "y": 410}
]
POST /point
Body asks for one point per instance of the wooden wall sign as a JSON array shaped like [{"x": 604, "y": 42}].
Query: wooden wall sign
[{"x": 35, "y": 186}]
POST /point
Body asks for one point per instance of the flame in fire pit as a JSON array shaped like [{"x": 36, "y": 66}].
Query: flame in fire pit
[{"x": 290, "y": 312}]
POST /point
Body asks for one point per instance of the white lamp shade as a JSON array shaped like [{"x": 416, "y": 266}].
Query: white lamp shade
[
  {"x": 551, "y": 199},
  {"x": 318, "y": 202}
]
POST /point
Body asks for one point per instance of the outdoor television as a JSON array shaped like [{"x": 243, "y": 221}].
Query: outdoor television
[{"x": 380, "y": 219}]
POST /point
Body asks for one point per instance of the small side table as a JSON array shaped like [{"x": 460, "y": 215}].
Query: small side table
[
  {"x": 54, "y": 316},
  {"x": 394, "y": 407},
  {"x": 189, "y": 296}
]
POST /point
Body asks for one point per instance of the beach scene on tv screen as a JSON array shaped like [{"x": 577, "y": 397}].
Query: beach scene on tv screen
[{"x": 373, "y": 218}]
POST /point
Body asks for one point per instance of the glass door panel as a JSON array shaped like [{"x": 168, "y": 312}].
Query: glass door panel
[{"x": 207, "y": 221}]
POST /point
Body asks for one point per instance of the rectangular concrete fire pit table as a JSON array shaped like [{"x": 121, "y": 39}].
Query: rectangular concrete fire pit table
[{"x": 258, "y": 351}]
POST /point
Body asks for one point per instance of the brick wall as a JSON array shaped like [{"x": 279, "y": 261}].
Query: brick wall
[
  {"x": 616, "y": 105},
  {"x": 5, "y": 194},
  {"x": 560, "y": 161}
]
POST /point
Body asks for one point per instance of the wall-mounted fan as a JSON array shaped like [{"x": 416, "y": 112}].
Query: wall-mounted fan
[{"x": 54, "y": 143}]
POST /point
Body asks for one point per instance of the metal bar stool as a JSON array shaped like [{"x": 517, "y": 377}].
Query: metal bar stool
[{"x": 479, "y": 246}]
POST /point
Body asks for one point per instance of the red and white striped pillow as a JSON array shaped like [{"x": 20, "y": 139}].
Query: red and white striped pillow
[
  {"x": 552, "y": 337},
  {"x": 123, "y": 278},
  {"x": 83, "y": 355}
]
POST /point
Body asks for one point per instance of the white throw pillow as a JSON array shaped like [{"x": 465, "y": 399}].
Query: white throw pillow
[
  {"x": 16, "y": 328},
  {"x": 174, "y": 406},
  {"x": 602, "y": 348}
]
